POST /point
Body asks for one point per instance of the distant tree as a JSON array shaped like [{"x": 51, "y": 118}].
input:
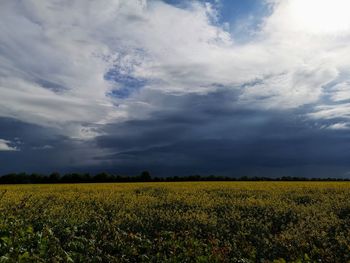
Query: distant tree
[
  {"x": 102, "y": 177},
  {"x": 145, "y": 176},
  {"x": 54, "y": 177},
  {"x": 86, "y": 177}
]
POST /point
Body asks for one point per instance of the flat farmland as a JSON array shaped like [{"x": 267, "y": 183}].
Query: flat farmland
[{"x": 176, "y": 222}]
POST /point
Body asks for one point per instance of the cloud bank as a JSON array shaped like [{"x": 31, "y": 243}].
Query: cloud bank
[{"x": 112, "y": 74}]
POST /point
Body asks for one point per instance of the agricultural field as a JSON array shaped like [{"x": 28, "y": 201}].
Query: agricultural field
[{"x": 176, "y": 222}]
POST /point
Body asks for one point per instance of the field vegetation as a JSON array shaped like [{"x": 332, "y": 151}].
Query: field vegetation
[{"x": 176, "y": 222}]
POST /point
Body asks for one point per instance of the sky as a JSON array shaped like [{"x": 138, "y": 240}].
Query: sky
[{"x": 225, "y": 87}]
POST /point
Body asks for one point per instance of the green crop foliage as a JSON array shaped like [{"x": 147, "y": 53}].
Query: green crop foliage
[{"x": 176, "y": 222}]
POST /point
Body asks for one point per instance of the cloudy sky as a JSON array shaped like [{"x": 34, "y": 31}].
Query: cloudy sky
[{"x": 227, "y": 87}]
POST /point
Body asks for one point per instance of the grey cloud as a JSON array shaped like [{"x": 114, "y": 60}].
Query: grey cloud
[{"x": 233, "y": 142}]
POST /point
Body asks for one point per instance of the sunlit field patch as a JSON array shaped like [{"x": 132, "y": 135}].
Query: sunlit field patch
[{"x": 176, "y": 222}]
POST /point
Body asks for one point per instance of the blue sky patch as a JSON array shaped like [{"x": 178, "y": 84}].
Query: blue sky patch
[
  {"x": 240, "y": 18},
  {"x": 126, "y": 84}
]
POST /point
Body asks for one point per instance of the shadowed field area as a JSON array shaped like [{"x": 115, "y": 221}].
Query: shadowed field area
[{"x": 176, "y": 222}]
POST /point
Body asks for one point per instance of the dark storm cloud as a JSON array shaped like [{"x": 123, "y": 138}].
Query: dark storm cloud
[
  {"x": 206, "y": 134},
  {"x": 210, "y": 134},
  {"x": 41, "y": 149}
]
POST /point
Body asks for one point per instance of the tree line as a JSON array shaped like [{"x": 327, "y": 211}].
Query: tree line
[{"x": 24, "y": 178}]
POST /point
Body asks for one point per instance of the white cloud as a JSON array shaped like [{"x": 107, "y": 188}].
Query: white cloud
[
  {"x": 340, "y": 92},
  {"x": 290, "y": 89},
  {"x": 339, "y": 126},
  {"x": 331, "y": 111},
  {"x": 43, "y": 147},
  {"x": 5, "y": 145},
  {"x": 317, "y": 17},
  {"x": 52, "y": 66}
]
